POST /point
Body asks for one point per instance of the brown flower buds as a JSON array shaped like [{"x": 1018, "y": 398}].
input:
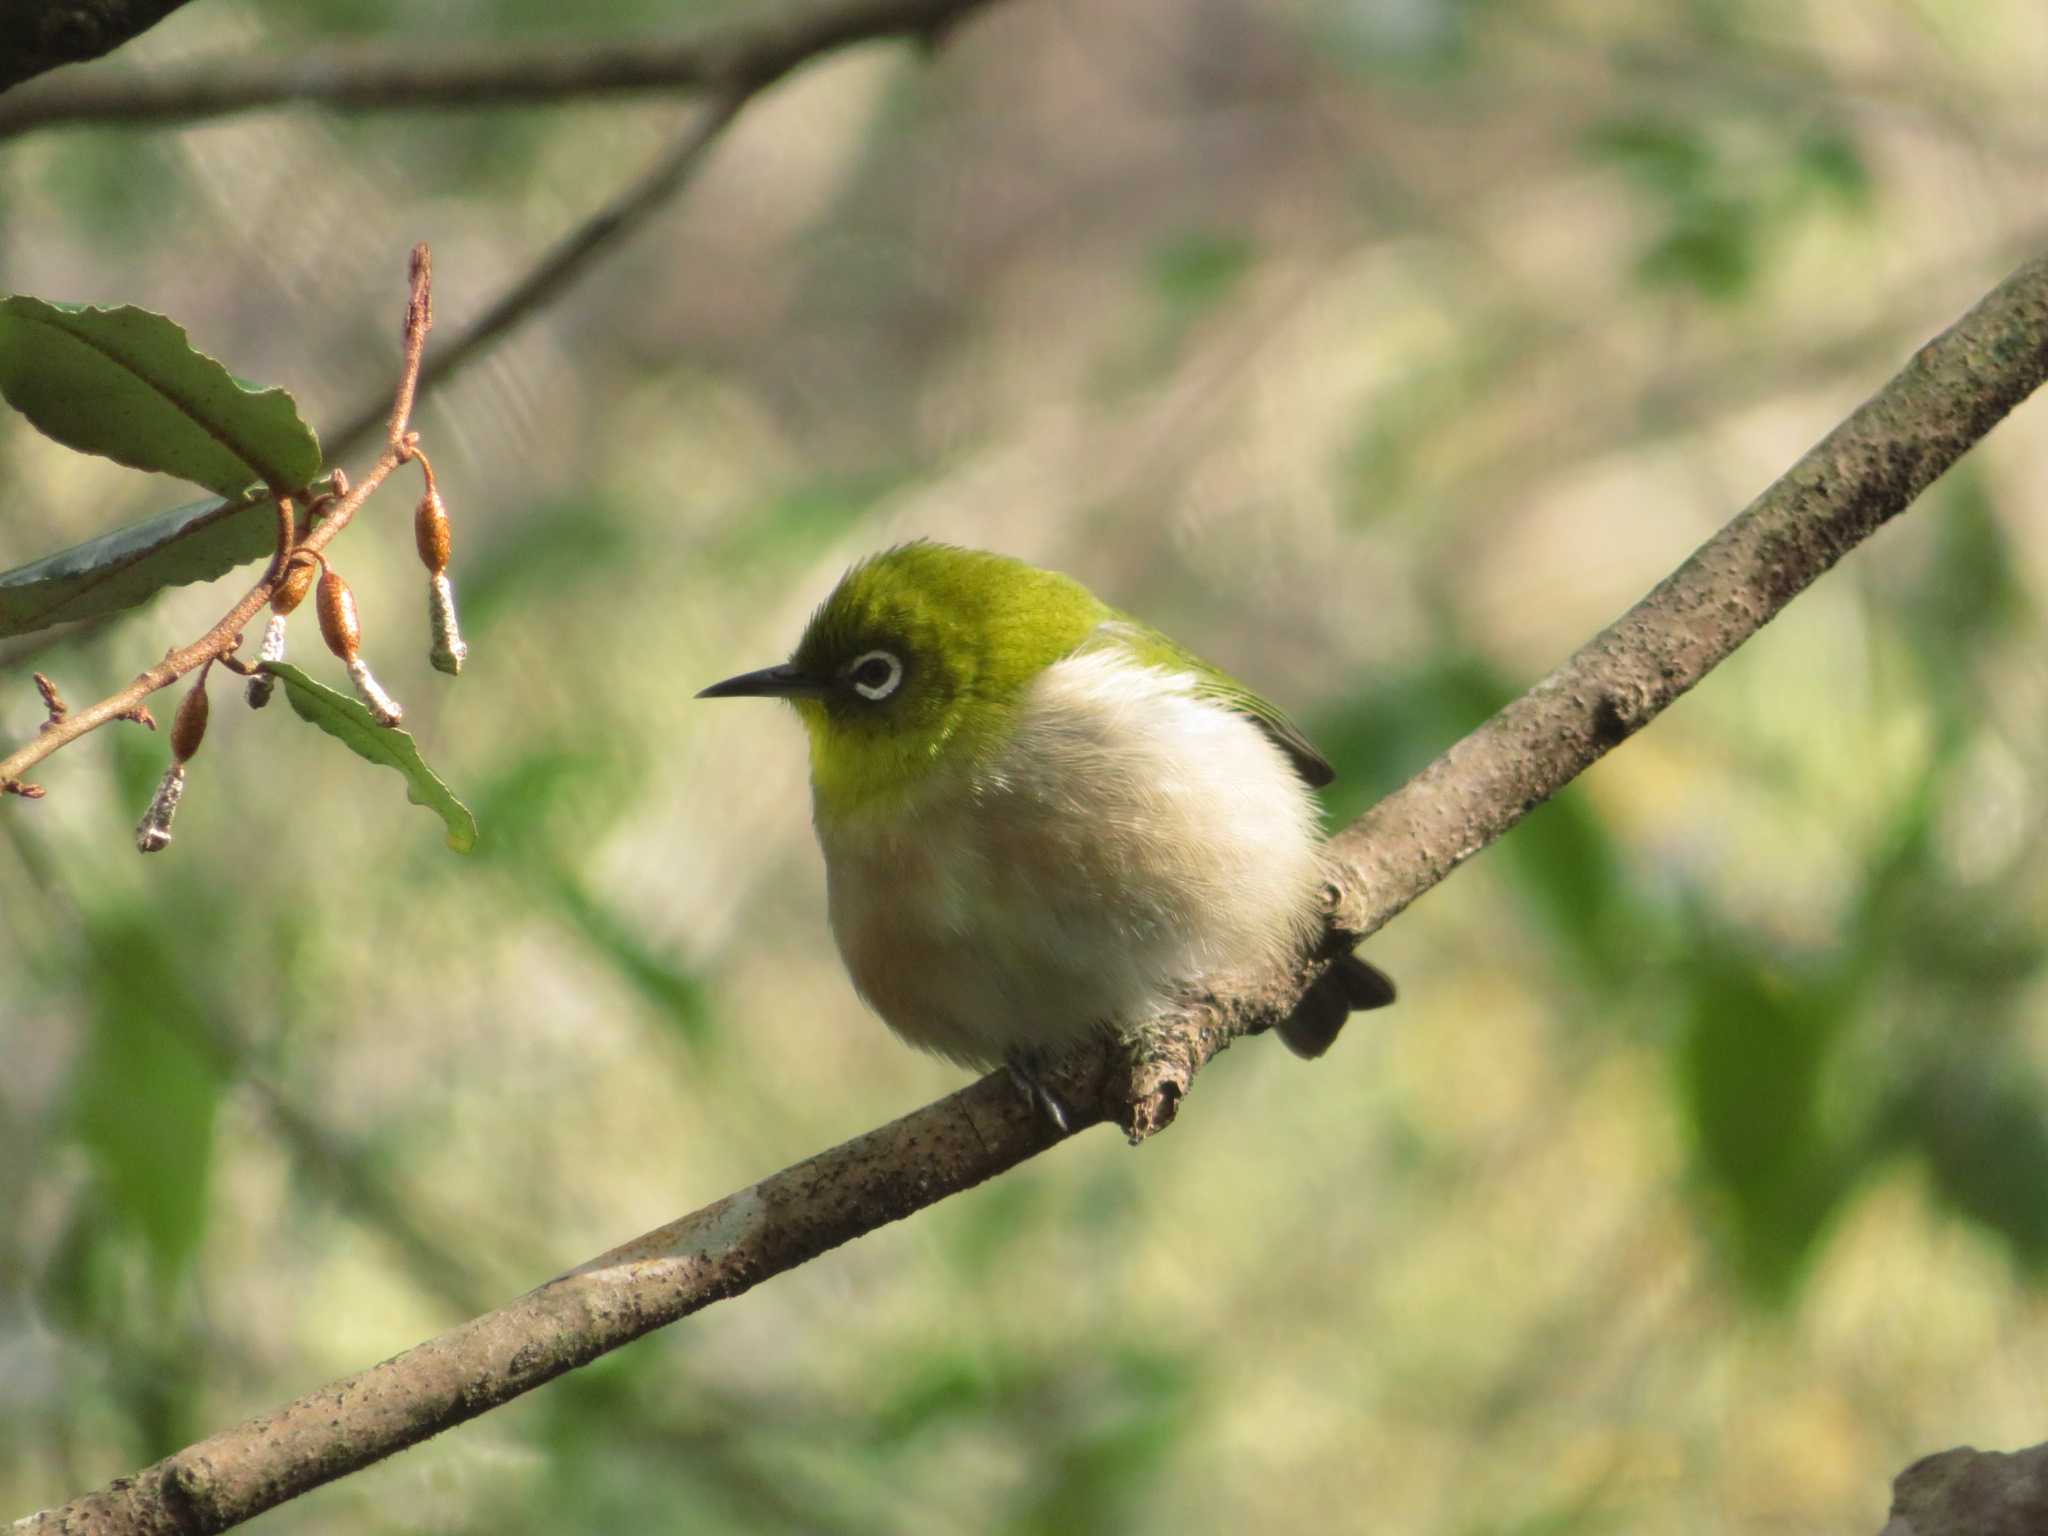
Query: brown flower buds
[
  {"x": 343, "y": 632},
  {"x": 292, "y": 590},
  {"x": 188, "y": 727},
  {"x": 53, "y": 701},
  {"x": 339, "y": 626},
  {"x": 430, "y": 532}
]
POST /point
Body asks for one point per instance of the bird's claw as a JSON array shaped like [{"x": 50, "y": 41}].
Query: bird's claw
[{"x": 1023, "y": 1070}]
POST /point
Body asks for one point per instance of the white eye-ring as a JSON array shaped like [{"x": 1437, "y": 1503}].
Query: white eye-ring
[{"x": 875, "y": 675}]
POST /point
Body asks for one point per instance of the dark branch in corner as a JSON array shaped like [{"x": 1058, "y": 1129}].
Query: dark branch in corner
[
  {"x": 1856, "y": 479},
  {"x": 727, "y": 56},
  {"x": 1968, "y": 1492},
  {"x": 40, "y": 35}
]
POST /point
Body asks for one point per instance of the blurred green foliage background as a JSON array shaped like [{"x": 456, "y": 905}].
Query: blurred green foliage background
[{"x": 1380, "y": 350}]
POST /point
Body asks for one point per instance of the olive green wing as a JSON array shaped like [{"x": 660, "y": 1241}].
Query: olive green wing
[
  {"x": 1313, "y": 767},
  {"x": 1213, "y": 683}
]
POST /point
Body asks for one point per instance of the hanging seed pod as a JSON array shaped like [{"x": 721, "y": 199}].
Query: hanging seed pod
[
  {"x": 188, "y": 727},
  {"x": 430, "y": 532},
  {"x": 153, "y": 833},
  {"x": 339, "y": 626},
  {"x": 343, "y": 632},
  {"x": 292, "y": 590},
  {"x": 263, "y": 685}
]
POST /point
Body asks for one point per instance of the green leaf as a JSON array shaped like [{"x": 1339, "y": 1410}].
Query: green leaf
[
  {"x": 126, "y": 384},
  {"x": 350, "y": 724},
  {"x": 195, "y": 542}
]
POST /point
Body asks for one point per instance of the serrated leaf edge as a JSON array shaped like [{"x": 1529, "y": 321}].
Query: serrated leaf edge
[
  {"x": 301, "y": 689},
  {"x": 259, "y": 471}
]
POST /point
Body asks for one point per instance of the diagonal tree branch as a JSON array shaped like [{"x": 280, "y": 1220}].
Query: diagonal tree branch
[
  {"x": 1862, "y": 474},
  {"x": 1866, "y": 471},
  {"x": 383, "y": 76}
]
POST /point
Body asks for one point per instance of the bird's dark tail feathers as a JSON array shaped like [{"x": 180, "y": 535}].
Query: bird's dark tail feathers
[{"x": 1347, "y": 987}]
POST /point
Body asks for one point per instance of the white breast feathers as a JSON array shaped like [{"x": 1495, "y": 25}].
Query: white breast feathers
[{"x": 1132, "y": 838}]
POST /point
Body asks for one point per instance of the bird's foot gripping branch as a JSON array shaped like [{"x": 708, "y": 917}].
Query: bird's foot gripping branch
[{"x": 127, "y": 385}]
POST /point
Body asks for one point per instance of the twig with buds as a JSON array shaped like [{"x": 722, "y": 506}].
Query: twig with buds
[{"x": 285, "y": 584}]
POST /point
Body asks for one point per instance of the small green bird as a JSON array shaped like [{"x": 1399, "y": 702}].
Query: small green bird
[{"x": 1042, "y": 818}]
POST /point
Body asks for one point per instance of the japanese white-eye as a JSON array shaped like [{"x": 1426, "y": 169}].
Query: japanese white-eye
[{"x": 1041, "y": 817}]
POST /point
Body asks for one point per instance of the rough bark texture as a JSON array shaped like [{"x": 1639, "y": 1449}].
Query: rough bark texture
[
  {"x": 1966, "y": 1492},
  {"x": 39, "y": 35}
]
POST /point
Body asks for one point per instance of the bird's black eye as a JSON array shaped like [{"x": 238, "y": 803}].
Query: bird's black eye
[{"x": 875, "y": 675}]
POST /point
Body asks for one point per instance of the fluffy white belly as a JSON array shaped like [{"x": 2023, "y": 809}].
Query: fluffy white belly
[{"x": 1132, "y": 838}]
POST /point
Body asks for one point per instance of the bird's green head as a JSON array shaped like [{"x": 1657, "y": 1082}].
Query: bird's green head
[{"x": 916, "y": 665}]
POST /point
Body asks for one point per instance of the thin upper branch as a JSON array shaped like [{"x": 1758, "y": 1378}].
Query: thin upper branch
[
  {"x": 755, "y": 54},
  {"x": 1862, "y": 474},
  {"x": 751, "y": 57},
  {"x": 573, "y": 254},
  {"x": 381, "y": 76}
]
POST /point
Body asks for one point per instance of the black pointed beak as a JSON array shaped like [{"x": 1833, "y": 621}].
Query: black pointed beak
[{"x": 783, "y": 682}]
